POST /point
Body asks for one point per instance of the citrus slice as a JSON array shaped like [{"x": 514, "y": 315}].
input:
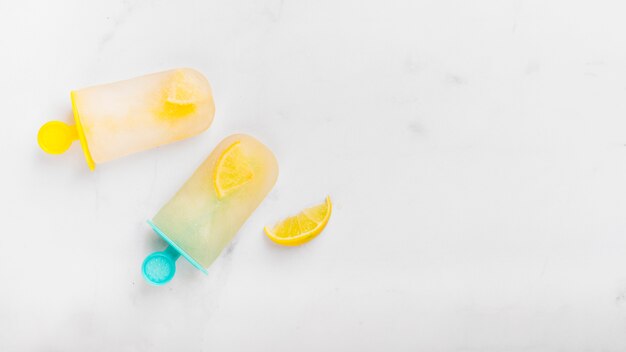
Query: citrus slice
[
  {"x": 301, "y": 228},
  {"x": 180, "y": 96},
  {"x": 232, "y": 171},
  {"x": 181, "y": 90}
]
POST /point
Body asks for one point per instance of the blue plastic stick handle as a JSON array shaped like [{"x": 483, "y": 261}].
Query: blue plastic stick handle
[{"x": 159, "y": 267}]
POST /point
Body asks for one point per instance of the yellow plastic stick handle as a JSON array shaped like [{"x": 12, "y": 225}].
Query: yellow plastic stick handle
[{"x": 55, "y": 137}]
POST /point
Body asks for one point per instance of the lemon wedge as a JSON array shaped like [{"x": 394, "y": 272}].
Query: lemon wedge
[
  {"x": 180, "y": 95},
  {"x": 232, "y": 171},
  {"x": 301, "y": 228},
  {"x": 181, "y": 90}
]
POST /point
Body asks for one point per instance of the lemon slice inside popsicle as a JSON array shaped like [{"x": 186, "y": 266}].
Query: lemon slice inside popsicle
[
  {"x": 232, "y": 171},
  {"x": 181, "y": 95},
  {"x": 301, "y": 228}
]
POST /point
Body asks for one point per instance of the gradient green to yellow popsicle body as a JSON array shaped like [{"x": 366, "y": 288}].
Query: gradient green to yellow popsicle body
[
  {"x": 201, "y": 220},
  {"x": 129, "y": 116}
]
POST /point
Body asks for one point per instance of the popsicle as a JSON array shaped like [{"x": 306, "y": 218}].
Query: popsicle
[
  {"x": 206, "y": 213},
  {"x": 117, "y": 119}
]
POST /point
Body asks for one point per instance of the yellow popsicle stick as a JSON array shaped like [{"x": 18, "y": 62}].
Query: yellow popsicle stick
[
  {"x": 55, "y": 137},
  {"x": 81, "y": 134}
]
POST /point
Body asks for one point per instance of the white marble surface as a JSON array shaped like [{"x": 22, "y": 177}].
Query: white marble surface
[{"x": 475, "y": 152}]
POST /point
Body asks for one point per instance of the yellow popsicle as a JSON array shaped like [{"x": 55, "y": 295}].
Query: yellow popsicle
[{"x": 116, "y": 119}]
